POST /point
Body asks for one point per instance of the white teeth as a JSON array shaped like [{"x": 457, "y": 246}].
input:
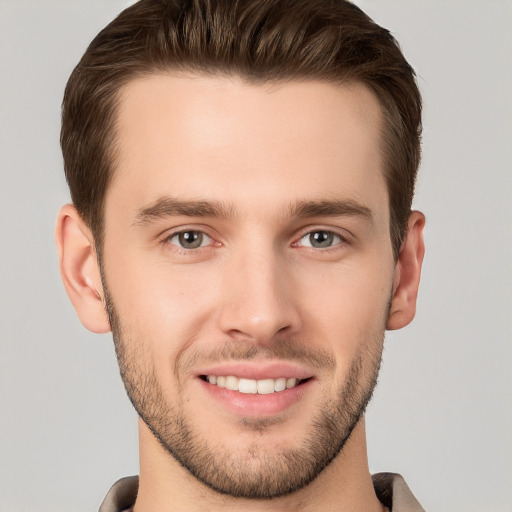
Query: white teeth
[
  {"x": 265, "y": 386},
  {"x": 247, "y": 386},
  {"x": 232, "y": 383},
  {"x": 280, "y": 384},
  {"x": 291, "y": 383},
  {"x": 251, "y": 386}
]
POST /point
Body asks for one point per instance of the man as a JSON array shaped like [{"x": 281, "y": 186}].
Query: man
[{"x": 242, "y": 176}]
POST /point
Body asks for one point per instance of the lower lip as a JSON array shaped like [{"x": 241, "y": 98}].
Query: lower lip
[{"x": 254, "y": 405}]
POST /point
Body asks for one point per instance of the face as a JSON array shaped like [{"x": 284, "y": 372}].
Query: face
[{"x": 248, "y": 269}]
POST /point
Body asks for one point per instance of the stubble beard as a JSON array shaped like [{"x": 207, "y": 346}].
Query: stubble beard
[{"x": 250, "y": 473}]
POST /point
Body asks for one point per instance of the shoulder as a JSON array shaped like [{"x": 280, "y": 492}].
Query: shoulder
[
  {"x": 121, "y": 496},
  {"x": 394, "y": 493}
]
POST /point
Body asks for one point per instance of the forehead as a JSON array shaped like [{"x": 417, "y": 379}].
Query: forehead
[{"x": 227, "y": 140}]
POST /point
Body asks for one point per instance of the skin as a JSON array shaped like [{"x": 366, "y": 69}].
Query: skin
[{"x": 256, "y": 286}]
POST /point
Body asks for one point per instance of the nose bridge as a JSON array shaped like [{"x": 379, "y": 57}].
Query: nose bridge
[{"x": 259, "y": 297}]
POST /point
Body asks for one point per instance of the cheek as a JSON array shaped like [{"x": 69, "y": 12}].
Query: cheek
[
  {"x": 160, "y": 305},
  {"x": 347, "y": 291},
  {"x": 346, "y": 308}
]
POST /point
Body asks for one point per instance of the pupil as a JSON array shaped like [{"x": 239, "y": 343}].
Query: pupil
[
  {"x": 190, "y": 239},
  {"x": 321, "y": 239}
]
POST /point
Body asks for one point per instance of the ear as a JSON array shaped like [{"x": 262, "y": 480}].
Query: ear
[
  {"x": 407, "y": 274},
  {"x": 80, "y": 270}
]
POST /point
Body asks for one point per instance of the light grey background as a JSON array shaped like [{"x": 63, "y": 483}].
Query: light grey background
[{"x": 442, "y": 415}]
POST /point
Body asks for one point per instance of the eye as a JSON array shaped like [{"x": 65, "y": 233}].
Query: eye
[
  {"x": 320, "y": 239},
  {"x": 189, "y": 239}
]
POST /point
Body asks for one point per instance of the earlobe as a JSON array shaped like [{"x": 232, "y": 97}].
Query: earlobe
[
  {"x": 79, "y": 269},
  {"x": 407, "y": 274}
]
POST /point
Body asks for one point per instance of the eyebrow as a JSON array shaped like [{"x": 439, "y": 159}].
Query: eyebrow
[
  {"x": 330, "y": 208},
  {"x": 169, "y": 206}
]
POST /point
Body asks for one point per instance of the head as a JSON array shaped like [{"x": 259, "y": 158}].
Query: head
[
  {"x": 258, "y": 41},
  {"x": 242, "y": 176}
]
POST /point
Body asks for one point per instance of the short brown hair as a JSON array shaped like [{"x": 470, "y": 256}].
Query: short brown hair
[{"x": 258, "y": 40}]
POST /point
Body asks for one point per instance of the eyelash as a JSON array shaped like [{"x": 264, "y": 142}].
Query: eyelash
[
  {"x": 167, "y": 240},
  {"x": 341, "y": 240}
]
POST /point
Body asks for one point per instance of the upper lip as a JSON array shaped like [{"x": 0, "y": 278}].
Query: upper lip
[{"x": 257, "y": 370}]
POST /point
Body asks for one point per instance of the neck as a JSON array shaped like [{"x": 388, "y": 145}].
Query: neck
[{"x": 346, "y": 484}]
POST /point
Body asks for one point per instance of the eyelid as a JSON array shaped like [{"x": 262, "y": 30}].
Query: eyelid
[
  {"x": 341, "y": 233},
  {"x": 167, "y": 235},
  {"x": 205, "y": 236}
]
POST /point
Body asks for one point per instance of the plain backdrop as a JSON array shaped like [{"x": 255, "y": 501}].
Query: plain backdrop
[{"x": 442, "y": 413}]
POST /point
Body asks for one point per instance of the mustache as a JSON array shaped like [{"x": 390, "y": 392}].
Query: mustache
[{"x": 236, "y": 350}]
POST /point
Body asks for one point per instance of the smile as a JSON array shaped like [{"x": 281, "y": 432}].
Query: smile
[{"x": 252, "y": 386}]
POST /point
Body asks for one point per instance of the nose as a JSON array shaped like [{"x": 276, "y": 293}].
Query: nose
[{"x": 258, "y": 300}]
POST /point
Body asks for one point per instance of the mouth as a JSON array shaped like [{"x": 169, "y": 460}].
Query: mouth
[
  {"x": 255, "y": 389},
  {"x": 253, "y": 386}
]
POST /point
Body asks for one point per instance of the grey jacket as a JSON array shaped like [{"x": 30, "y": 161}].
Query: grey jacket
[{"x": 390, "y": 488}]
